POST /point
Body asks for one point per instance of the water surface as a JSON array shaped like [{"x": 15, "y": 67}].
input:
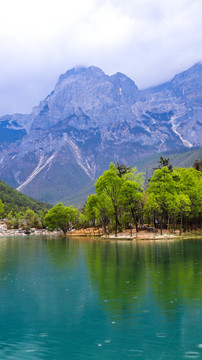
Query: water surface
[{"x": 95, "y": 299}]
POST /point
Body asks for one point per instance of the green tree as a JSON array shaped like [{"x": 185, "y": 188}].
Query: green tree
[
  {"x": 151, "y": 207},
  {"x": 163, "y": 187},
  {"x": 99, "y": 208},
  {"x": 163, "y": 162},
  {"x": 61, "y": 217},
  {"x": 32, "y": 219},
  {"x": 189, "y": 182},
  {"x": 134, "y": 175},
  {"x": 183, "y": 207},
  {"x": 198, "y": 164},
  {"x": 109, "y": 185},
  {"x": 130, "y": 198},
  {"x": 90, "y": 208},
  {"x": 83, "y": 221},
  {"x": 122, "y": 169}
]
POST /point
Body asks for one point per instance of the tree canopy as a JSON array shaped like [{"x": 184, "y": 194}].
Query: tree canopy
[
  {"x": 115, "y": 194},
  {"x": 60, "y": 217}
]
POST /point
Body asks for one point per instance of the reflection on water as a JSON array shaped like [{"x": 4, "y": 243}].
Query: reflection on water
[
  {"x": 124, "y": 271},
  {"x": 116, "y": 271},
  {"x": 94, "y": 299}
]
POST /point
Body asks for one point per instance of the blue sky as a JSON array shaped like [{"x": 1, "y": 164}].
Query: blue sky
[{"x": 148, "y": 40}]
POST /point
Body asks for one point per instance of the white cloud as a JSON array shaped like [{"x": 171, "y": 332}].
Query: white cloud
[{"x": 149, "y": 40}]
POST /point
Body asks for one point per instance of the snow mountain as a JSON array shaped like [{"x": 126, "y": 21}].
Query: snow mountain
[{"x": 90, "y": 119}]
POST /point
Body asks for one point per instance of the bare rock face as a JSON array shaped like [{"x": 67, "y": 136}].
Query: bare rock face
[{"x": 90, "y": 119}]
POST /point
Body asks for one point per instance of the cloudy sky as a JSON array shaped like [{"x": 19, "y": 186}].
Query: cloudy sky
[{"x": 148, "y": 40}]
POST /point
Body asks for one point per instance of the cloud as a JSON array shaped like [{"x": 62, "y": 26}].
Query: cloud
[{"x": 149, "y": 40}]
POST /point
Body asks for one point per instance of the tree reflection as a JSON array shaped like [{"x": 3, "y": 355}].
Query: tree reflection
[
  {"x": 176, "y": 272},
  {"x": 123, "y": 272},
  {"x": 117, "y": 272},
  {"x": 63, "y": 251}
]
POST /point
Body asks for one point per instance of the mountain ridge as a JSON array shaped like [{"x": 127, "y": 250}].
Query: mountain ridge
[
  {"x": 16, "y": 201},
  {"x": 91, "y": 119}
]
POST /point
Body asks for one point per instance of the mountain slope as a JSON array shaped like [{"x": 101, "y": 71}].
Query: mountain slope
[
  {"x": 183, "y": 158},
  {"x": 13, "y": 198},
  {"x": 91, "y": 119}
]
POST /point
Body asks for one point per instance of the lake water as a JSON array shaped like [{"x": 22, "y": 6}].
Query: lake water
[{"x": 95, "y": 299}]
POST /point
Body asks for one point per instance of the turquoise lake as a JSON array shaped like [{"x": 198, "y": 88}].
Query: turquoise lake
[{"x": 94, "y": 299}]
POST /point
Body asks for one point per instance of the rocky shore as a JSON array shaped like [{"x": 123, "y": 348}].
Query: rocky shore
[{"x": 24, "y": 232}]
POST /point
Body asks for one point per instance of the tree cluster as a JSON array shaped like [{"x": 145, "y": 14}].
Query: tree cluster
[
  {"x": 24, "y": 220},
  {"x": 175, "y": 196},
  {"x": 118, "y": 199},
  {"x": 172, "y": 199}
]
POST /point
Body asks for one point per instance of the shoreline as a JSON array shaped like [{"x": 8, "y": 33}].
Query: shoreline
[
  {"x": 91, "y": 233},
  {"x": 33, "y": 232},
  {"x": 141, "y": 235}
]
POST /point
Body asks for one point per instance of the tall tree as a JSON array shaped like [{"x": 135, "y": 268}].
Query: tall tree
[
  {"x": 162, "y": 185},
  {"x": 163, "y": 162},
  {"x": 122, "y": 169},
  {"x": 189, "y": 182},
  {"x": 183, "y": 207},
  {"x": 109, "y": 184},
  {"x": 151, "y": 207},
  {"x": 130, "y": 197},
  {"x": 198, "y": 165},
  {"x": 99, "y": 207},
  {"x": 135, "y": 175}
]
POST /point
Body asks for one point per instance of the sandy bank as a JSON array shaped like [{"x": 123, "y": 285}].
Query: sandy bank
[{"x": 141, "y": 235}]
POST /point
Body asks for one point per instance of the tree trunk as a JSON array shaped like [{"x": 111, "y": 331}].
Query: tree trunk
[
  {"x": 174, "y": 223},
  {"x": 161, "y": 223},
  {"x": 104, "y": 227},
  {"x": 116, "y": 221},
  {"x": 168, "y": 223},
  {"x": 135, "y": 220},
  {"x": 153, "y": 225},
  {"x": 181, "y": 226}
]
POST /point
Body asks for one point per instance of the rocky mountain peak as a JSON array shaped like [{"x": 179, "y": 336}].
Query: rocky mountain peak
[
  {"x": 89, "y": 91},
  {"x": 126, "y": 87},
  {"x": 82, "y": 72},
  {"x": 188, "y": 81},
  {"x": 91, "y": 119}
]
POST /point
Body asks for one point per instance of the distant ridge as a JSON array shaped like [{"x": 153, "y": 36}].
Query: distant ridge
[{"x": 183, "y": 158}]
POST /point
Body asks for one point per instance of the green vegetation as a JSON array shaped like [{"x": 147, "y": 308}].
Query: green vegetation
[
  {"x": 61, "y": 217},
  {"x": 15, "y": 201},
  {"x": 172, "y": 199},
  {"x": 118, "y": 198},
  {"x": 175, "y": 195},
  {"x": 21, "y": 212},
  {"x": 25, "y": 220}
]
